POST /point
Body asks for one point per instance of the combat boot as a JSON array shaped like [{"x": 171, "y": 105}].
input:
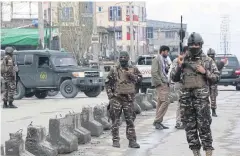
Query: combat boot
[
  {"x": 133, "y": 144},
  {"x": 5, "y": 105},
  {"x": 196, "y": 152},
  {"x": 214, "y": 112},
  {"x": 208, "y": 152},
  {"x": 116, "y": 144},
  {"x": 11, "y": 105}
]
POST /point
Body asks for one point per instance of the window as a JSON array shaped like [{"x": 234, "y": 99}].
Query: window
[
  {"x": 170, "y": 34},
  {"x": 67, "y": 14},
  {"x": 145, "y": 60},
  {"x": 232, "y": 61},
  {"x": 149, "y": 32},
  {"x": 100, "y": 9},
  {"x": 28, "y": 60},
  {"x": 43, "y": 62},
  {"x": 20, "y": 59},
  {"x": 128, "y": 10},
  {"x": 115, "y": 10},
  {"x": 118, "y": 35}
]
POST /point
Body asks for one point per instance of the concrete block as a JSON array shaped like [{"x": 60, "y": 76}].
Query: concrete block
[
  {"x": 88, "y": 122},
  {"x": 100, "y": 115},
  {"x": 15, "y": 145},
  {"x": 83, "y": 135},
  {"x": 36, "y": 142},
  {"x": 61, "y": 137},
  {"x": 141, "y": 99},
  {"x": 137, "y": 108},
  {"x": 154, "y": 93},
  {"x": 150, "y": 99}
]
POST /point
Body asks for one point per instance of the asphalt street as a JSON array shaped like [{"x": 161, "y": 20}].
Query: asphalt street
[{"x": 171, "y": 142}]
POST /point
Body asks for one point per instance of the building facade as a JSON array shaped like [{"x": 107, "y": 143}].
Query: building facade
[
  {"x": 164, "y": 33},
  {"x": 105, "y": 15}
]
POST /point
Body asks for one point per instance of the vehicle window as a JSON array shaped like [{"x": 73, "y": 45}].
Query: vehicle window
[
  {"x": 43, "y": 62},
  {"x": 2, "y": 54},
  {"x": 28, "y": 59},
  {"x": 232, "y": 61},
  {"x": 20, "y": 59},
  {"x": 145, "y": 60},
  {"x": 64, "y": 61}
]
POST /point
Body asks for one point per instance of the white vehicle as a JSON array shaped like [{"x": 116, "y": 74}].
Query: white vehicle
[{"x": 144, "y": 63}]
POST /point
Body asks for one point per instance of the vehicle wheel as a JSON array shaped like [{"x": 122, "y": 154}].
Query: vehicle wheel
[
  {"x": 238, "y": 87},
  {"x": 68, "y": 89},
  {"x": 20, "y": 91},
  {"x": 29, "y": 95},
  {"x": 94, "y": 92},
  {"x": 52, "y": 93},
  {"x": 41, "y": 94}
]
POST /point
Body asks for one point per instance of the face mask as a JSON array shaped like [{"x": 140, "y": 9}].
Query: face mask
[
  {"x": 123, "y": 63},
  {"x": 212, "y": 56},
  {"x": 194, "y": 51}
]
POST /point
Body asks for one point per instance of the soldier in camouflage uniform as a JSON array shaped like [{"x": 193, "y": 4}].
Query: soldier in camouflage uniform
[
  {"x": 213, "y": 86},
  {"x": 8, "y": 72},
  {"x": 120, "y": 88},
  {"x": 195, "y": 71}
]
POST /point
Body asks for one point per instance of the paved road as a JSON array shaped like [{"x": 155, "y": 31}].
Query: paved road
[{"x": 172, "y": 142}]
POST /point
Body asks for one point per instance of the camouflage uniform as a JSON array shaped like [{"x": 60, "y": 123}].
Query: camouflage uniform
[
  {"x": 213, "y": 86},
  {"x": 122, "y": 102},
  {"x": 9, "y": 79},
  {"x": 195, "y": 101}
]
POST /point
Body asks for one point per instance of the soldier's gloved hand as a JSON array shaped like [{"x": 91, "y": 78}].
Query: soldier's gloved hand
[{"x": 201, "y": 69}]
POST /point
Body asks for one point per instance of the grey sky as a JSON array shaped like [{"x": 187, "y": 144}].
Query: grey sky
[{"x": 201, "y": 16}]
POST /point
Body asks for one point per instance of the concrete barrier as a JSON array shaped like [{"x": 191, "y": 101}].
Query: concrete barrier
[
  {"x": 36, "y": 142},
  {"x": 141, "y": 100},
  {"x": 101, "y": 116},
  {"x": 137, "y": 108},
  {"x": 83, "y": 135},
  {"x": 61, "y": 137},
  {"x": 154, "y": 93},
  {"x": 150, "y": 99},
  {"x": 15, "y": 145},
  {"x": 88, "y": 122}
]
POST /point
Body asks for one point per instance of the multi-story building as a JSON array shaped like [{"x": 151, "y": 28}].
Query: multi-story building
[
  {"x": 105, "y": 18},
  {"x": 164, "y": 33}
]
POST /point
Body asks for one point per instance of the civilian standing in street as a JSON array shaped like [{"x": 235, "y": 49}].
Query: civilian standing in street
[{"x": 160, "y": 82}]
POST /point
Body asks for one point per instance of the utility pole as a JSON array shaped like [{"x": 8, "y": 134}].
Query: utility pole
[
  {"x": 50, "y": 24},
  {"x": 60, "y": 25},
  {"x": 132, "y": 51},
  {"x": 95, "y": 37},
  {"x": 114, "y": 35},
  {"x": 41, "y": 23},
  {"x": 1, "y": 13},
  {"x": 30, "y": 9},
  {"x": 11, "y": 10}
]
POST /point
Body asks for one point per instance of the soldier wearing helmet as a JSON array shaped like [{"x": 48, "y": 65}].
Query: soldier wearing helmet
[
  {"x": 213, "y": 86},
  {"x": 195, "y": 71},
  {"x": 8, "y": 73}
]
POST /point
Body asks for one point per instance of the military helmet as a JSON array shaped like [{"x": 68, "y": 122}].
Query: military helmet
[
  {"x": 195, "y": 38},
  {"x": 9, "y": 50},
  {"x": 211, "y": 52}
]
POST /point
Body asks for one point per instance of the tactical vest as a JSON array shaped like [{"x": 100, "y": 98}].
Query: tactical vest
[
  {"x": 192, "y": 79},
  {"x": 124, "y": 85}
]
